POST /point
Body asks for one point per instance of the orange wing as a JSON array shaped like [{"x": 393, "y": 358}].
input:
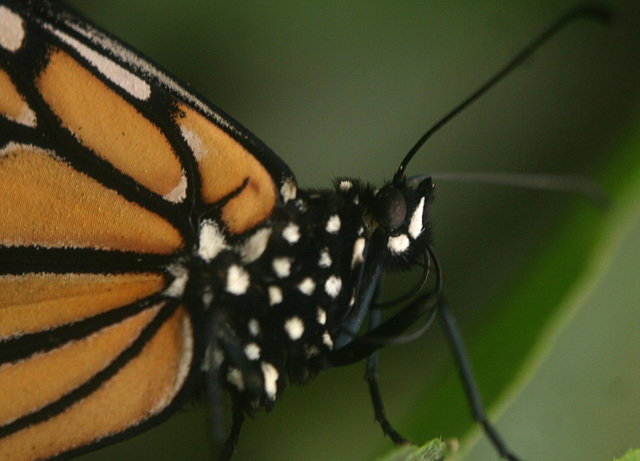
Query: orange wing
[{"x": 106, "y": 165}]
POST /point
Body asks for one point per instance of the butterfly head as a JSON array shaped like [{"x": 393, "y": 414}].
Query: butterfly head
[{"x": 397, "y": 221}]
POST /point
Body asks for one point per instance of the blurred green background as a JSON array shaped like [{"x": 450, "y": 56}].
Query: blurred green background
[{"x": 346, "y": 88}]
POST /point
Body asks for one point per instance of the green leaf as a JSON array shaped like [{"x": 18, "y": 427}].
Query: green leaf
[
  {"x": 582, "y": 400},
  {"x": 631, "y": 455},
  {"x": 434, "y": 450}
]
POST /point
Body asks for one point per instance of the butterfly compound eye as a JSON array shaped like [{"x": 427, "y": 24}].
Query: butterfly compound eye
[{"x": 390, "y": 208}]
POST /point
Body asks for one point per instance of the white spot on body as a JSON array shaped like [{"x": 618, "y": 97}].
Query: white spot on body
[
  {"x": 254, "y": 246},
  {"x": 321, "y": 316},
  {"x": 398, "y": 244},
  {"x": 307, "y": 286},
  {"x": 275, "y": 295},
  {"x": 237, "y": 280},
  {"x": 207, "y": 298},
  {"x": 311, "y": 351},
  {"x": 332, "y": 286},
  {"x": 415, "y": 224},
  {"x": 291, "y": 233},
  {"x": 325, "y": 258},
  {"x": 358, "y": 252},
  {"x": 345, "y": 185},
  {"x": 218, "y": 357},
  {"x": 326, "y": 339},
  {"x": 301, "y": 205},
  {"x": 270, "y": 374},
  {"x": 252, "y": 351},
  {"x": 333, "y": 224},
  {"x": 282, "y": 267},
  {"x": 254, "y": 327},
  {"x": 288, "y": 190},
  {"x": 294, "y": 328},
  {"x": 118, "y": 75},
  {"x": 212, "y": 241},
  {"x": 11, "y": 30},
  {"x": 234, "y": 376}
]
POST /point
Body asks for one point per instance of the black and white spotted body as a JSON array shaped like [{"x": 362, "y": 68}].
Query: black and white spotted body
[{"x": 285, "y": 294}]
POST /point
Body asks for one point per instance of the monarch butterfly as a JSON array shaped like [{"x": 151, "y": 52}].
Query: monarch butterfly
[{"x": 213, "y": 226}]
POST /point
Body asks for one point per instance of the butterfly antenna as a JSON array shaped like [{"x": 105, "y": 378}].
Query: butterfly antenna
[
  {"x": 586, "y": 11},
  {"x": 577, "y": 184}
]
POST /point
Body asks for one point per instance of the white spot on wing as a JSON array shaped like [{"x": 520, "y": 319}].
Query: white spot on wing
[
  {"x": 332, "y": 286},
  {"x": 271, "y": 375},
  {"x": 184, "y": 365},
  {"x": 11, "y": 30},
  {"x": 143, "y": 67},
  {"x": 307, "y": 286},
  {"x": 415, "y": 225},
  {"x": 294, "y": 328},
  {"x": 179, "y": 192},
  {"x": 252, "y": 351},
  {"x": 187, "y": 353},
  {"x": 179, "y": 283},
  {"x": 237, "y": 280},
  {"x": 120, "y": 76},
  {"x": 255, "y": 245},
  {"x": 275, "y": 295},
  {"x": 358, "y": 252},
  {"x": 282, "y": 267},
  {"x": 291, "y": 233},
  {"x": 194, "y": 142},
  {"x": 212, "y": 241},
  {"x": 333, "y": 224},
  {"x": 26, "y": 117},
  {"x": 398, "y": 244}
]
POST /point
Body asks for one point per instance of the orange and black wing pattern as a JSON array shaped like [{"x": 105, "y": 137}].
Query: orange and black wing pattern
[{"x": 106, "y": 166}]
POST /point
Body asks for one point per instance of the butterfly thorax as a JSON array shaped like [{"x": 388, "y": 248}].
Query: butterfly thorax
[{"x": 284, "y": 293}]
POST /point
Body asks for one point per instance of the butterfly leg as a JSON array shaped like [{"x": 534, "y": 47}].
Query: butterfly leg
[
  {"x": 371, "y": 376},
  {"x": 236, "y": 424},
  {"x": 214, "y": 401},
  {"x": 469, "y": 381},
  {"x": 219, "y": 337}
]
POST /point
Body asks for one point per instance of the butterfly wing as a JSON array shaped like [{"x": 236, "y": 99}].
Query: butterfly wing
[{"x": 106, "y": 165}]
